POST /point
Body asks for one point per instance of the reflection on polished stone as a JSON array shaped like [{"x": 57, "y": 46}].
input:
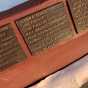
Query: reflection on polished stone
[{"x": 74, "y": 76}]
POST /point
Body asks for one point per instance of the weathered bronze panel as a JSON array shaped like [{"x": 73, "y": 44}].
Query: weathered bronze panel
[
  {"x": 10, "y": 50},
  {"x": 79, "y": 11},
  {"x": 44, "y": 28}
]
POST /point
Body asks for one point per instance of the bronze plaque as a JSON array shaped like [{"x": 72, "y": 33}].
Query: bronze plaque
[
  {"x": 79, "y": 10},
  {"x": 10, "y": 50},
  {"x": 44, "y": 28}
]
